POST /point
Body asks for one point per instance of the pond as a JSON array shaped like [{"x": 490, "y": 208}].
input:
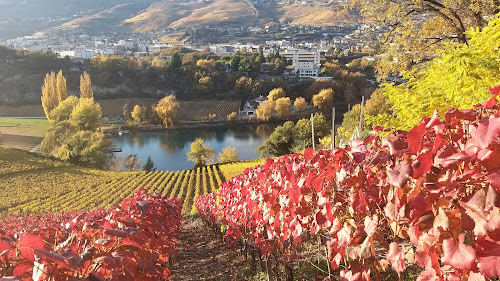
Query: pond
[{"x": 168, "y": 148}]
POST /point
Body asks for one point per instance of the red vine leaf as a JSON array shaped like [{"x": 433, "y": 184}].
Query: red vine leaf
[{"x": 458, "y": 255}]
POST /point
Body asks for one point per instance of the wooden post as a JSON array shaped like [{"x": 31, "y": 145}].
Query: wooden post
[
  {"x": 349, "y": 116},
  {"x": 267, "y": 269},
  {"x": 333, "y": 127},
  {"x": 312, "y": 130},
  {"x": 361, "y": 114}
]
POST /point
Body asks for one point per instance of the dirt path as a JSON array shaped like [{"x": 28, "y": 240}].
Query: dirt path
[{"x": 203, "y": 256}]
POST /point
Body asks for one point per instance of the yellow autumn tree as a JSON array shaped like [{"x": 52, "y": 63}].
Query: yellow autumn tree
[
  {"x": 61, "y": 86},
  {"x": 300, "y": 103},
  {"x": 167, "y": 109},
  {"x": 86, "y": 86},
  {"x": 283, "y": 108},
  {"x": 458, "y": 78},
  {"x": 324, "y": 100},
  {"x": 275, "y": 94},
  {"x": 54, "y": 91},
  {"x": 265, "y": 110}
]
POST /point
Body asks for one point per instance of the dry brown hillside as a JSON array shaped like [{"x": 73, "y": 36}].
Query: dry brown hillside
[
  {"x": 163, "y": 14},
  {"x": 317, "y": 15}
]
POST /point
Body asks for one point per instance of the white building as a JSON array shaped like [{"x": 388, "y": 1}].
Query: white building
[
  {"x": 155, "y": 48},
  {"x": 85, "y": 54},
  {"x": 306, "y": 63}
]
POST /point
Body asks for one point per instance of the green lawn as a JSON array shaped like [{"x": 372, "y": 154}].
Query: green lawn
[{"x": 23, "y": 133}]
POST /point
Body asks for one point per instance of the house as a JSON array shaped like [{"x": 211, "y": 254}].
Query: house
[{"x": 251, "y": 105}]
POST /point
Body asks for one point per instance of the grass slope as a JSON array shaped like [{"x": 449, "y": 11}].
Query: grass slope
[{"x": 22, "y": 133}]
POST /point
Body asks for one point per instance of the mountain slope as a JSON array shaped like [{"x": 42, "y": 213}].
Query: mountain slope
[{"x": 149, "y": 16}]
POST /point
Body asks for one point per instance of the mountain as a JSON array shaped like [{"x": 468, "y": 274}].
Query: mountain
[
  {"x": 150, "y": 16},
  {"x": 60, "y": 8}
]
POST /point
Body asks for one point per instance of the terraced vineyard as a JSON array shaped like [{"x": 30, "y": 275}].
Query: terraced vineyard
[{"x": 33, "y": 184}]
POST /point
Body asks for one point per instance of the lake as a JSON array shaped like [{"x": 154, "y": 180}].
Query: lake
[{"x": 168, "y": 148}]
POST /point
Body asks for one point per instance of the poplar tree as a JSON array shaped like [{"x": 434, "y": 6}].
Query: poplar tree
[
  {"x": 54, "y": 91},
  {"x": 61, "y": 87},
  {"x": 86, "y": 86},
  {"x": 50, "y": 100}
]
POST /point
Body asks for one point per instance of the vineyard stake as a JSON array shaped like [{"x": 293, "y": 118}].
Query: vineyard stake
[
  {"x": 312, "y": 130},
  {"x": 333, "y": 127},
  {"x": 349, "y": 116},
  {"x": 361, "y": 114},
  {"x": 267, "y": 269}
]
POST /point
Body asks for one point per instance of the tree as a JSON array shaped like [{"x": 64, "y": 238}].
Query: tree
[
  {"x": 283, "y": 108},
  {"x": 86, "y": 147},
  {"x": 86, "y": 114},
  {"x": 265, "y": 110},
  {"x": 132, "y": 163},
  {"x": 275, "y": 94},
  {"x": 300, "y": 103},
  {"x": 324, "y": 100},
  {"x": 280, "y": 142},
  {"x": 86, "y": 86},
  {"x": 56, "y": 135},
  {"x": 61, "y": 87},
  {"x": 458, "y": 78},
  {"x": 205, "y": 85},
  {"x": 228, "y": 154},
  {"x": 139, "y": 113},
  {"x": 167, "y": 109},
  {"x": 127, "y": 110},
  {"x": 261, "y": 57},
  {"x": 350, "y": 122},
  {"x": 149, "y": 166},
  {"x": 115, "y": 164},
  {"x": 279, "y": 65},
  {"x": 50, "y": 98},
  {"x": 63, "y": 110},
  {"x": 258, "y": 88},
  {"x": 232, "y": 117},
  {"x": 235, "y": 61},
  {"x": 200, "y": 153},
  {"x": 418, "y": 28},
  {"x": 175, "y": 61},
  {"x": 243, "y": 86},
  {"x": 208, "y": 64},
  {"x": 303, "y": 131}
]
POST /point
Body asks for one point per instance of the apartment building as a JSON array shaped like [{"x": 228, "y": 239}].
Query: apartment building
[{"x": 306, "y": 63}]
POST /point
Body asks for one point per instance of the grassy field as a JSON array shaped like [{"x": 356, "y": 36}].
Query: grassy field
[
  {"x": 22, "y": 133},
  {"x": 31, "y": 184}
]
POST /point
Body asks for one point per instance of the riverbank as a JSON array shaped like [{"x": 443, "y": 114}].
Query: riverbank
[{"x": 121, "y": 126}]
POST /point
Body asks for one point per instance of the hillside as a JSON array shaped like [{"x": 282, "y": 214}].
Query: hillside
[
  {"x": 318, "y": 15},
  {"x": 32, "y": 183},
  {"x": 149, "y": 16},
  {"x": 238, "y": 12}
]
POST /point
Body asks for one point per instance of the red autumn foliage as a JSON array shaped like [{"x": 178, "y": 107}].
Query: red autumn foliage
[
  {"x": 426, "y": 198},
  {"x": 131, "y": 241}
]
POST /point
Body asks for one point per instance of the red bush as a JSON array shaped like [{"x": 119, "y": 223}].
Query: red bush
[
  {"x": 427, "y": 197},
  {"x": 131, "y": 241}
]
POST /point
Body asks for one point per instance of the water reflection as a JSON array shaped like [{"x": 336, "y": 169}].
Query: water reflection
[{"x": 168, "y": 149}]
